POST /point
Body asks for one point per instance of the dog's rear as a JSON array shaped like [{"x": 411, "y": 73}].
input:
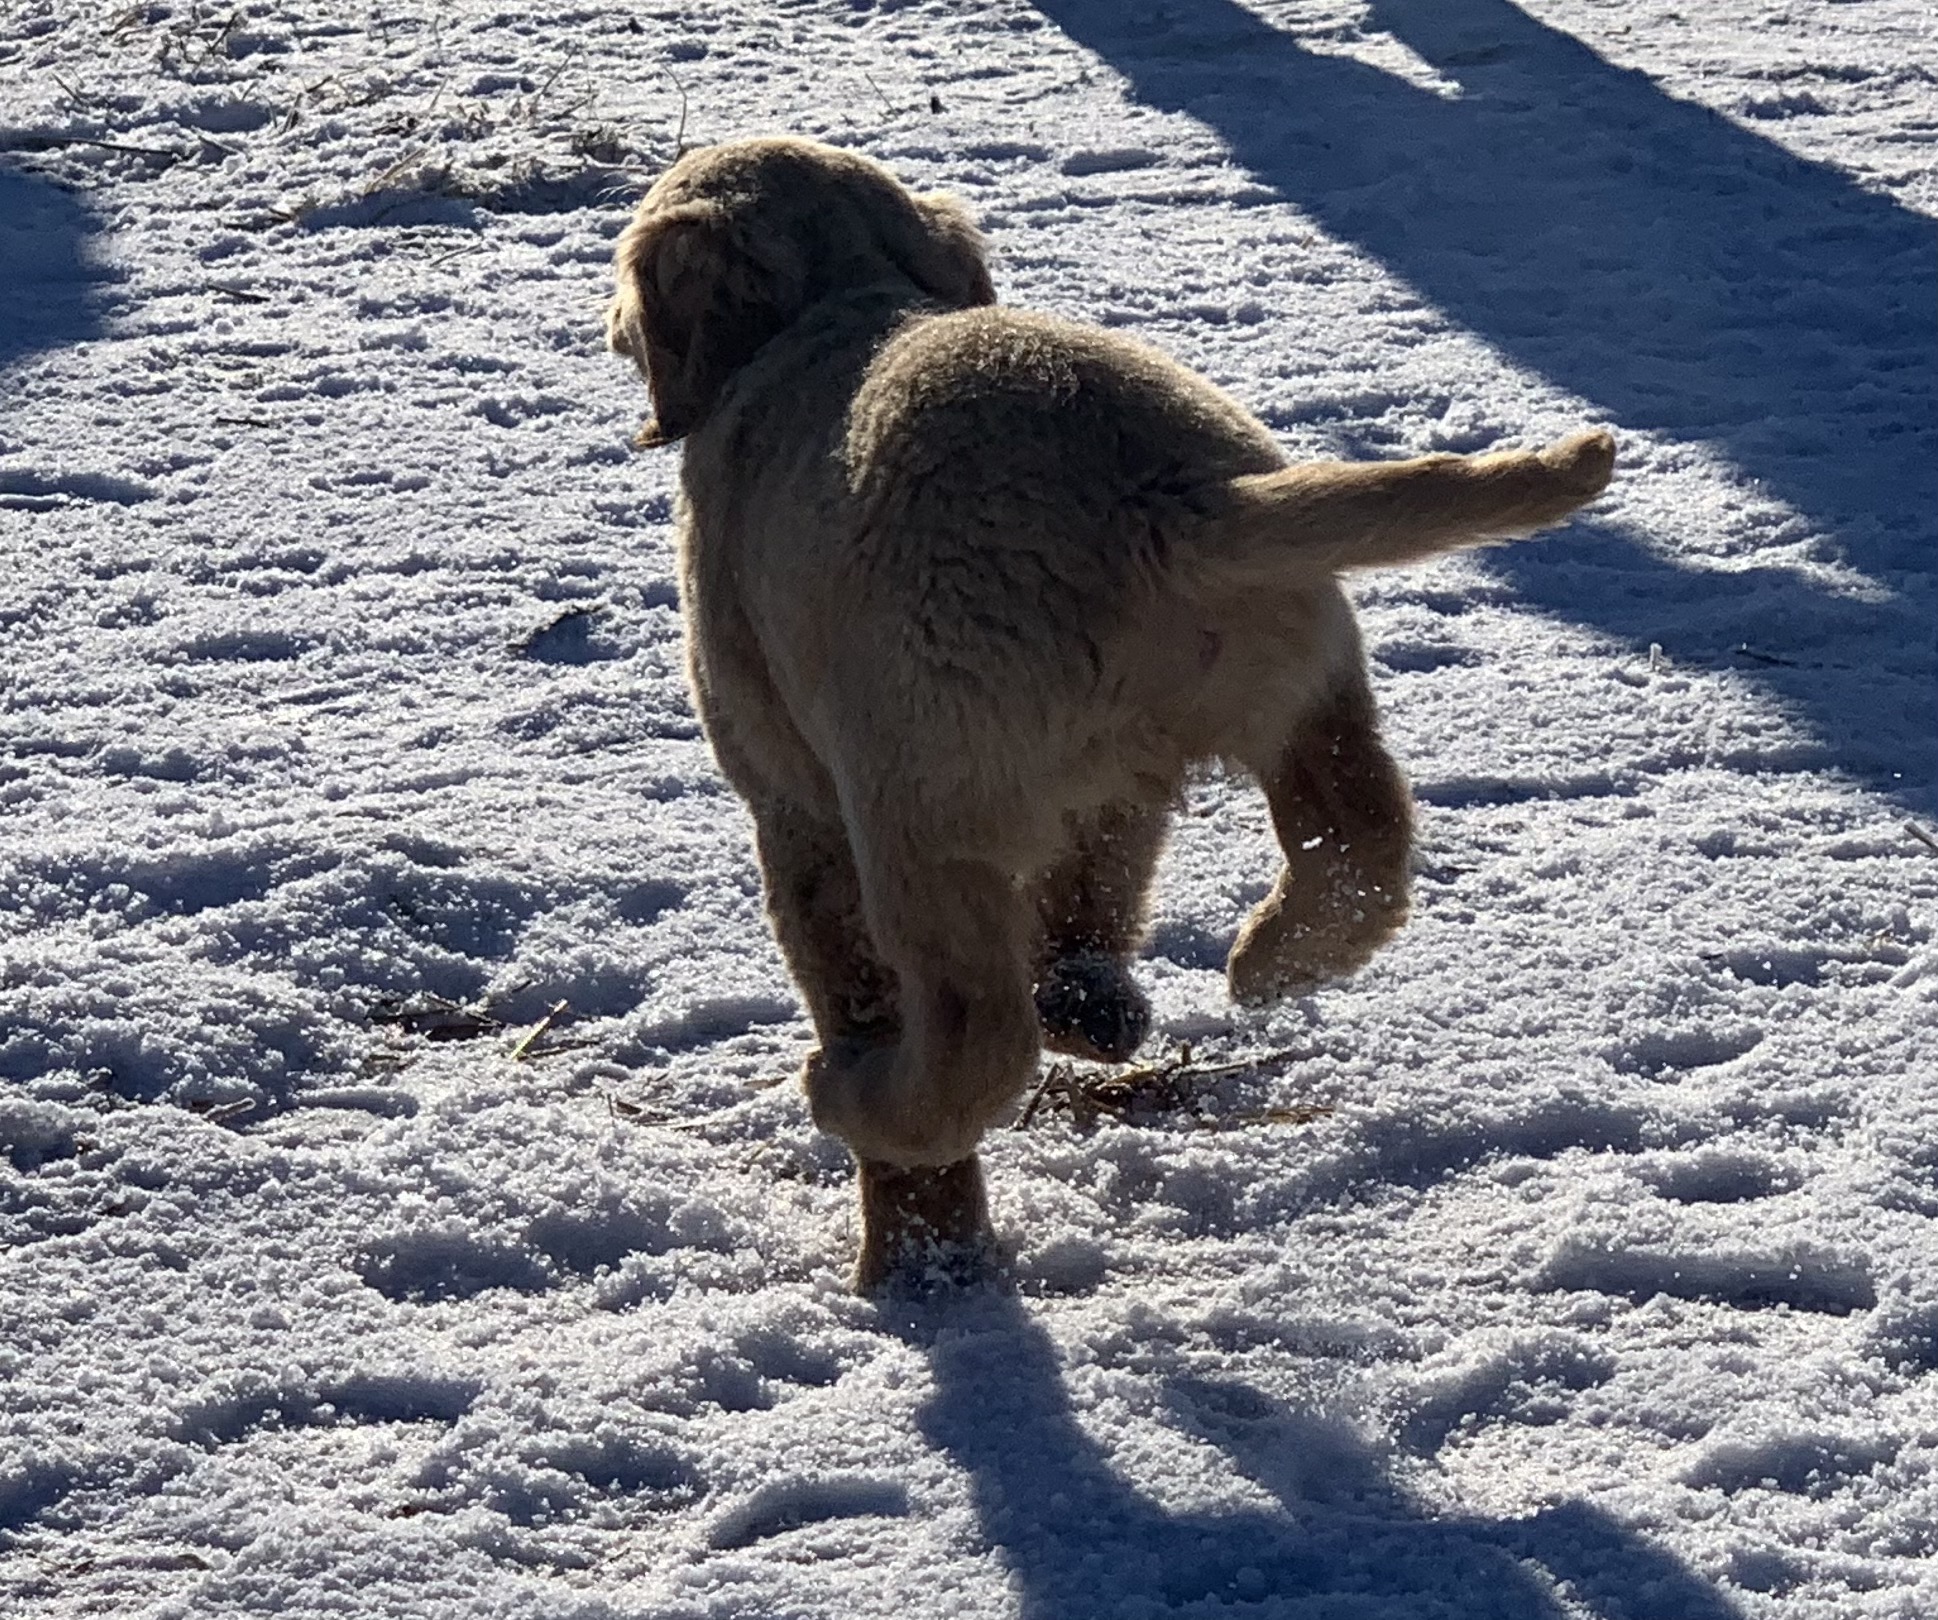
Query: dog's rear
[{"x": 1111, "y": 561}]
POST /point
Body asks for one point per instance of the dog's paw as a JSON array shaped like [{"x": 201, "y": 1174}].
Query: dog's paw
[
  {"x": 1088, "y": 1006},
  {"x": 924, "y": 1229},
  {"x": 1257, "y": 978},
  {"x": 1289, "y": 947}
]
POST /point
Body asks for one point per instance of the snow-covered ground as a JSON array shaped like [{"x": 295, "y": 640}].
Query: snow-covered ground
[{"x": 1576, "y": 1260}]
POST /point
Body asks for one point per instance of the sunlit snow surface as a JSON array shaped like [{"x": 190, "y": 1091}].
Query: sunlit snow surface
[{"x": 1575, "y": 1260}]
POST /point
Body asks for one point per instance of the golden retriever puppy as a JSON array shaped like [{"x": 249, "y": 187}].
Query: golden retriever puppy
[{"x": 967, "y": 592}]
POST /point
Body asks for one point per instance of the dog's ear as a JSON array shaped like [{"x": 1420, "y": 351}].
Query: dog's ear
[
  {"x": 696, "y": 298},
  {"x": 941, "y": 250}
]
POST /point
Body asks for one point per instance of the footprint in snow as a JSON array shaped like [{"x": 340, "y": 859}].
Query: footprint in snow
[{"x": 788, "y": 1504}]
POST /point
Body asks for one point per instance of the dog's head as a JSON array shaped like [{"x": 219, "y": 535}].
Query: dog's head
[{"x": 734, "y": 242}]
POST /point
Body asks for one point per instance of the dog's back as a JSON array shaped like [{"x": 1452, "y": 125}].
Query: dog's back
[{"x": 1027, "y": 534}]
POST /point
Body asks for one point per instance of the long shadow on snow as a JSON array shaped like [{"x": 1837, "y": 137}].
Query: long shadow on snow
[
  {"x": 1649, "y": 255},
  {"x": 1081, "y": 1542},
  {"x": 49, "y": 298},
  {"x": 1860, "y": 676}
]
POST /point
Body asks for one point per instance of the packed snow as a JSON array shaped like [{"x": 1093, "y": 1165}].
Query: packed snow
[{"x": 407, "y": 1207}]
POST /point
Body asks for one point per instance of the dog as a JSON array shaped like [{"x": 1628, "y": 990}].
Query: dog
[{"x": 968, "y": 591}]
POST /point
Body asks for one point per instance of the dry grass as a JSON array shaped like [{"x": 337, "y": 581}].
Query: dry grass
[{"x": 1171, "y": 1091}]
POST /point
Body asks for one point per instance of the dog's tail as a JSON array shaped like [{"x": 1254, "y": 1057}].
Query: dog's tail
[{"x": 1329, "y": 517}]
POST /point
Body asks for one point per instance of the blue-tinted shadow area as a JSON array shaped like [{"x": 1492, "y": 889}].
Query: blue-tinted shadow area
[
  {"x": 47, "y": 288},
  {"x": 1080, "y": 1542},
  {"x": 1668, "y": 265}
]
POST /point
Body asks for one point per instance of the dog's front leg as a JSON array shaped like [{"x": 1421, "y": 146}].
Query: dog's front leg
[{"x": 1090, "y": 906}]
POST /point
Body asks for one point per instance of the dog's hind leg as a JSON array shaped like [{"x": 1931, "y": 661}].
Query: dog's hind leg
[
  {"x": 912, "y": 1107},
  {"x": 1090, "y": 907},
  {"x": 1344, "y": 820},
  {"x": 920, "y": 1224},
  {"x": 957, "y": 933}
]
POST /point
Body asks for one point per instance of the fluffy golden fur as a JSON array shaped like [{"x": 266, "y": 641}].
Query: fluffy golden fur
[{"x": 968, "y": 590}]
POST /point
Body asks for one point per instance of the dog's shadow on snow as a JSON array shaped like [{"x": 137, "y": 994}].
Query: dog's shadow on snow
[
  {"x": 1651, "y": 256},
  {"x": 1080, "y": 1541},
  {"x": 44, "y": 235}
]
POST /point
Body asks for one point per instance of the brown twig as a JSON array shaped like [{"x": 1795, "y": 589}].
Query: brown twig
[
  {"x": 618, "y": 1108},
  {"x": 221, "y": 1113},
  {"x": 436, "y": 1018},
  {"x": 1056, "y": 1075},
  {"x": 1283, "y": 1114},
  {"x": 45, "y": 143},
  {"x": 456, "y": 253},
  {"x": 373, "y": 187},
  {"x": 1922, "y": 836},
  {"x": 679, "y": 135},
  {"x": 553, "y": 77}
]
